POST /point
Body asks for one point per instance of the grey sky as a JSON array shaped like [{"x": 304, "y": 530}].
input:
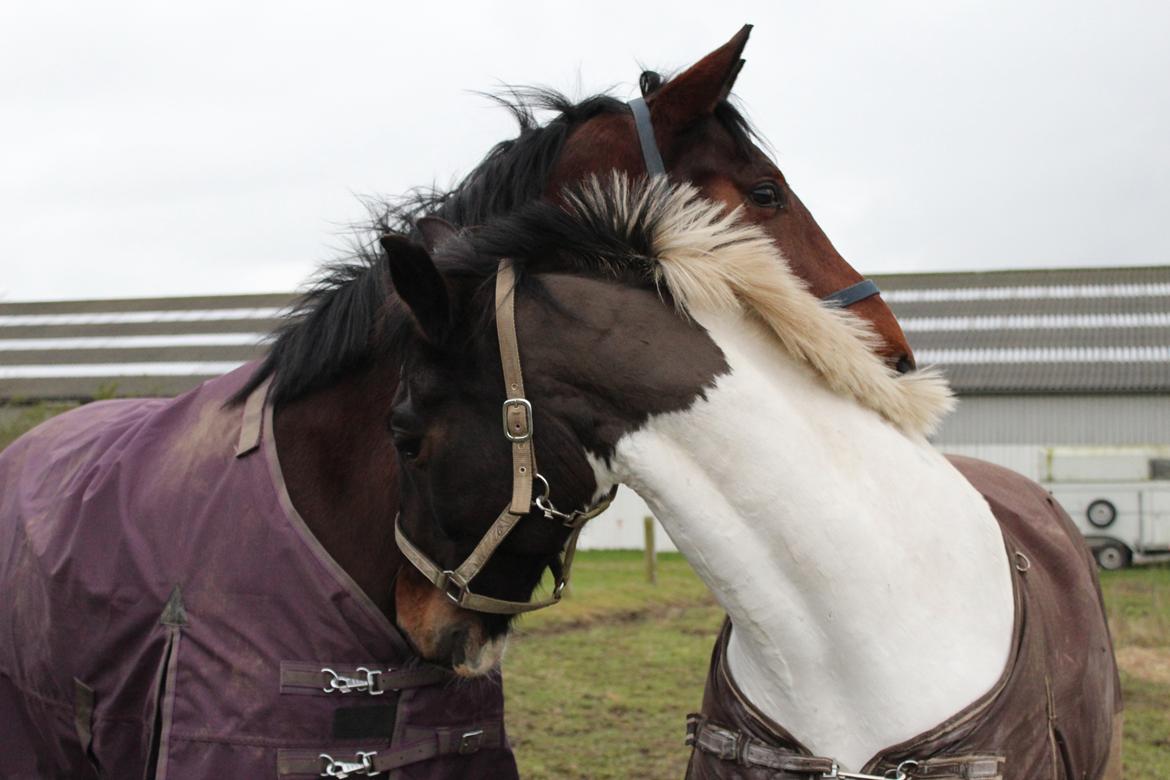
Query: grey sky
[{"x": 151, "y": 148}]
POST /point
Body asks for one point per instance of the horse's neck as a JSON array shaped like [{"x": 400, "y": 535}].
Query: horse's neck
[
  {"x": 866, "y": 581},
  {"x": 339, "y": 463}
]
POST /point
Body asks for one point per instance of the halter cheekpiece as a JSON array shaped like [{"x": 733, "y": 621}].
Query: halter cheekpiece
[{"x": 530, "y": 490}]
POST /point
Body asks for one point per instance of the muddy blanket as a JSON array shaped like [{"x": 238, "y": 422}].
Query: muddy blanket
[{"x": 164, "y": 612}]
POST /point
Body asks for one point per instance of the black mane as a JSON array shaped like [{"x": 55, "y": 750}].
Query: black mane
[
  {"x": 513, "y": 172},
  {"x": 333, "y": 327}
]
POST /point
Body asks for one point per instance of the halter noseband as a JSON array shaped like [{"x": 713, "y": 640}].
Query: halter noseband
[
  {"x": 517, "y": 418},
  {"x": 843, "y": 298}
]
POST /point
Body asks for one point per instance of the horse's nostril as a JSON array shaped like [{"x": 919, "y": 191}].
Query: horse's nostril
[{"x": 904, "y": 365}]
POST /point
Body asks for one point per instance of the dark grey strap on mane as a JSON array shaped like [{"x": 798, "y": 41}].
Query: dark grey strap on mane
[
  {"x": 852, "y": 294},
  {"x": 650, "y": 153}
]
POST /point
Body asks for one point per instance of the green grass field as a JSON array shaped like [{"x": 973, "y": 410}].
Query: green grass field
[{"x": 599, "y": 686}]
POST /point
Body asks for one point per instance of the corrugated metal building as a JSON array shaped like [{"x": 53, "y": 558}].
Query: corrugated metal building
[
  {"x": 1044, "y": 358},
  {"x": 1039, "y": 359}
]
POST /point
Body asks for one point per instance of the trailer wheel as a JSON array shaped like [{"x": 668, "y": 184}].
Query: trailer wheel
[
  {"x": 1111, "y": 556},
  {"x": 1101, "y": 513}
]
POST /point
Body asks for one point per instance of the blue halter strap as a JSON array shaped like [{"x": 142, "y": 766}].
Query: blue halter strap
[
  {"x": 654, "y": 167},
  {"x": 852, "y": 294}
]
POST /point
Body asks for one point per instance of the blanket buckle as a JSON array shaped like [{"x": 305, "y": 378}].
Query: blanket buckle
[
  {"x": 902, "y": 772},
  {"x": 364, "y": 765},
  {"x": 344, "y": 683}
]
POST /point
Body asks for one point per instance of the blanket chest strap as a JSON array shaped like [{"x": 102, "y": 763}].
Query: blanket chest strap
[
  {"x": 736, "y": 746},
  {"x": 462, "y": 740}
]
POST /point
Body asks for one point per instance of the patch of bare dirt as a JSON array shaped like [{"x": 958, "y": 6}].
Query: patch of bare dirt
[{"x": 1151, "y": 664}]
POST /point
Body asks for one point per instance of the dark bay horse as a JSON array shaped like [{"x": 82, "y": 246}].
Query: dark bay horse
[{"x": 950, "y": 629}]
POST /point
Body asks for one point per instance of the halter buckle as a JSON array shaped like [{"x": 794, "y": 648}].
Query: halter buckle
[{"x": 517, "y": 428}]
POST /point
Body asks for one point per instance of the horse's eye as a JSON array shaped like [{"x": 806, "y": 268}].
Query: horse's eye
[
  {"x": 408, "y": 443},
  {"x": 767, "y": 195}
]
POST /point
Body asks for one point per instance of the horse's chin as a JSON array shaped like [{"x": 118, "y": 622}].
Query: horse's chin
[
  {"x": 479, "y": 658},
  {"x": 443, "y": 633}
]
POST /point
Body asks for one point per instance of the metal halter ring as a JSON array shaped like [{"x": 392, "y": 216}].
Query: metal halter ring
[
  {"x": 460, "y": 590},
  {"x": 545, "y": 505},
  {"x": 544, "y": 489}
]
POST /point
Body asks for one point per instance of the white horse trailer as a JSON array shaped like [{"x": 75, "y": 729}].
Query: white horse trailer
[
  {"x": 1123, "y": 523},
  {"x": 1118, "y": 496}
]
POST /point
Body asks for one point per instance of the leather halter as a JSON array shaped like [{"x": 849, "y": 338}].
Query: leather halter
[
  {"x": 843, "y": 298},
  {"x": 517, "y": 418}
]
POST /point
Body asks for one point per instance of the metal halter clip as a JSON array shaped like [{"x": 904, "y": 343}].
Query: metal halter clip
[
  {"x": 576, "y": 518},
  {"x": 340, "y": 683},
  {"x": 543, "y": 502},
  {"x": 902, "y": 772},
  {"x": 364, "y": 765},
  {"x": 524, "y": 405}
]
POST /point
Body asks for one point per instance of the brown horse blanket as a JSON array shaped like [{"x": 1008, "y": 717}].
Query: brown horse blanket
[
  {"x": 165, "y": 612},
  {"x": 1050, "y": 717}
]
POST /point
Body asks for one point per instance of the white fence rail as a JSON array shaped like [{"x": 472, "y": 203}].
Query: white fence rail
[{"x": 160, "y": 346}]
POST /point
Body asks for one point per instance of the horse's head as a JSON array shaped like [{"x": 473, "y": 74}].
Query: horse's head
[
  {"x": 704, "y": 141},
  {"x": 604, "y": 344}
]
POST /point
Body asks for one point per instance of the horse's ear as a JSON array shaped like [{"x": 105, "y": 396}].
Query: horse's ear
[
  {"x": 696, "y": 92},
  {"x": 419, "y": 284},
  {"x": 436, "y": 232}
]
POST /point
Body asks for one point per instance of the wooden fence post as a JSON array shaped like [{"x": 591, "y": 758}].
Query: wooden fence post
[{"x": 651, "y": 555}]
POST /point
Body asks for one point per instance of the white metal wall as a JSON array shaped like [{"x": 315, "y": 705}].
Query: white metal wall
[
  {"x": 1058, "y": 419},
  {"x": 1026, "y": 459},
  {"x": 620, "y": 528}
]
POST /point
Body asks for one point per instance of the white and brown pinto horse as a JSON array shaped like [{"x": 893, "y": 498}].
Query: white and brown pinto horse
[{"x": 877, "y": 604}]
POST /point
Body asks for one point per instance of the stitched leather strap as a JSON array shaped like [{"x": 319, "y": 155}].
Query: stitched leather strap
[
  {"x": 252, "y": 419},
  {"x": 322, "y": 678},
  {"x": 457, "y": 588},
  {"x": 517, "y": 409},
  {"x": 464, "y": 740},
  {"x": 850, "y": 295},
  {"x": 743, "y": 749},
  {"x": 969, "y": 767},
  {"x": 645, "y": 127}
]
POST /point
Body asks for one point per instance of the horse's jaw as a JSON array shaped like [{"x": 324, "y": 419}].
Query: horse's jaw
[{"x": 831, "y": 539}]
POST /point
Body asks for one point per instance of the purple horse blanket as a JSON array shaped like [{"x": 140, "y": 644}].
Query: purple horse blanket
[{"x": 164, "y": 611}]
